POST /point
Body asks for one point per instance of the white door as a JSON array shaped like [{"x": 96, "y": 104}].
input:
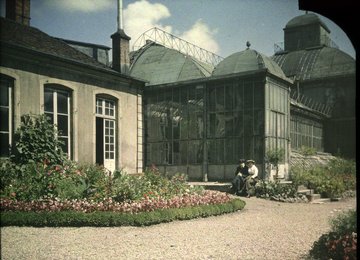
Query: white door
[{"x": 109, "y": 144}]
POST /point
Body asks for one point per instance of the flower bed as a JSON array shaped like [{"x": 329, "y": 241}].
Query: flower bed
[
  {"x": 340, "y": 242},
  {"x": 145, "y": 205}
]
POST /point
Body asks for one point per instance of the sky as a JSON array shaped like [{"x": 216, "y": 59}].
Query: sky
[{"x": 219, "y": 26}]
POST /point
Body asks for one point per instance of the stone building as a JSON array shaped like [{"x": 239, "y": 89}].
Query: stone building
[
  {"x": 161, "y": 106},
  {"x": 323, "y": 73},
  {"x": 98, "y": 109},
  {"x": 200, "y": 119}
]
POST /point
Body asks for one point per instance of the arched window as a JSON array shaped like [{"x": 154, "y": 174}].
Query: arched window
[
  {"x": 106, "y": 131},
  {"x": 6, "y": 114},
  {"x": 57, "y": 107}
]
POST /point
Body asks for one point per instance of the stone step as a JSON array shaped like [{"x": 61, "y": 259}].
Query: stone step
[
  {"x": 302, "y": 187},
  {"x": 305, "y": 191},
  {"x": 282, "y": 182},
  {"x": 313, "y": 197},
  {"x": 320, "y": 201}
]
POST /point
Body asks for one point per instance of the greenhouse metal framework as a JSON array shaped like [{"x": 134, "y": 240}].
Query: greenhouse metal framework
[{"x": 166, "y": 39}]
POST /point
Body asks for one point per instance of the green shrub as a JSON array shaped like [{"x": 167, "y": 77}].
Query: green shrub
[
  {"x": 340, "y": 242},
  {"x": 151, "y": 185},
  {"x": 101, "y": 218},
  {"x": 30, "y": 181},
  {"x": 275, "y": 157},
  {"x": 275, "y": 190},
  {"x": 331, "y": 180},
  {"x": 345, "y": 223},
  {"x": 36, "y": 140}
]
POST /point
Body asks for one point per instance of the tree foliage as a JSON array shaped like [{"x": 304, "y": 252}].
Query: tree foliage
[{"x": 36, "y": 140}]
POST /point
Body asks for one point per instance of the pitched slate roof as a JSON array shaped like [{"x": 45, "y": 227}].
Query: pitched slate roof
[
  {"x": 32, "y": 38},
  {"x": 247, "y": 60},
  {"x": 158, "y": 65},
  {"x": 315, "y": 63}
]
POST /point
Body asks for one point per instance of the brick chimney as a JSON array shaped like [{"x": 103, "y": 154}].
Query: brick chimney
[
  {"x": 120, "y": 46},
  {"x": 18, "y": 11}
]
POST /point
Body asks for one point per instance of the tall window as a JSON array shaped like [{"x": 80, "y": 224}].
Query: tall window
[
  {"x": 6, "y": 107},
  {"x": 106, "y": 132},
  {"x": 57, "y": 109}
]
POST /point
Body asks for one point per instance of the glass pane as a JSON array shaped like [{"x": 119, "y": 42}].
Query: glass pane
[
  {"x": 212, "y": 119},
  {"x": 4, "y": 145},
  {"x": 176, "y": 153},
  {"x": 259, "y": 122},
  {"x": 220, "y": 151},
  {"x": 4, "y": 94},
  {"x": 63, "y": 125},
  {"x": 238, "y": 148},
  {"x": 229, "y": 126},
  {"x": 238, "y": 124},
  {"x": 200, "y": 125},
  {"x": 176, "y": 129},
  {"x": 248, "y": 123},
  {"x": 229, "y": 97},
  {"x": 212, "y": 99},
  {"x": 220, "y": 125},
  {"x": 50, "y": 117},
  {"x": 258, "y": 96},
  {"x": 238, "y": 97},
  {"x": 248, "y": 95},
  {"x": 229, "y": 151},
  {"x": 183, "y": 152},
  {"x": 211, "y": 151},
  {"x": 183, "y": 96},
  {"x": 48, "y": 101},
  {"x": 220, "y": 96},
  {"x": 64, "y": 145},
  {"x": 62, "y": 102},
  {"x": 99, "y": 106},
  {"x": 4, "y": 119},
  {"x": 195, "y": 152},
  {"x": 184, "y": 125}
]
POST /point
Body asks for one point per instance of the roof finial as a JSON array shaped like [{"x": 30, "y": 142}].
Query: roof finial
[{"x": 248, "y": 44}]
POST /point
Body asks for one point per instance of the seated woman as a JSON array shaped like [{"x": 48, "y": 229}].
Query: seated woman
[
  {"x": 238, "y": 183},
  {"x": 251, "y": 179}
]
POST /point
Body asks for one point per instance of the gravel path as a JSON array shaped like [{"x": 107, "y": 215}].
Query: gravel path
[{"x": 263, "y": 230}]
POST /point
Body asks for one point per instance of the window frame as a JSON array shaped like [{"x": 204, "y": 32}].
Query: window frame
[
  {"x": 55, "y": 89},
  {"x": 9, "y": 82}
]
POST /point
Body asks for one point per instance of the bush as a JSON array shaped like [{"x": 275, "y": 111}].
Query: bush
[
  {"x": 151, "y": 185},
  {"x": 34, "y": 181},
  {"x": 275, "y": 190},
  {"x": 101, "y": 218},
  {"x": 340, "y": 242},
  {"x": 36, "y": 140},
  {"x": 330, "y": 181}
]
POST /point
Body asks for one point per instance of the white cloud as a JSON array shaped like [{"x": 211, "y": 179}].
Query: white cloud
[
  {"x": 201, "y": 35},
  {"x": 86, "y": 6},
  {"x": 142, "y": 16}
]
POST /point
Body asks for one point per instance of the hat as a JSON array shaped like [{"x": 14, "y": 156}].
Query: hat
[
  {"x": 250, "y": 161},
  {"x": 242, "y": 160}
]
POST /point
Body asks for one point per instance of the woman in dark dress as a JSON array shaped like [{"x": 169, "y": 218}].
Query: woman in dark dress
[{"x": 238, "y": 183}]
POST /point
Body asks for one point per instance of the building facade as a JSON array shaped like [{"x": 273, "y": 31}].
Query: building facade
[
  {"x": 98, "y": 110},
  {"x": 325, "y": 74},
  {"x": 159, "y": 106}
]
